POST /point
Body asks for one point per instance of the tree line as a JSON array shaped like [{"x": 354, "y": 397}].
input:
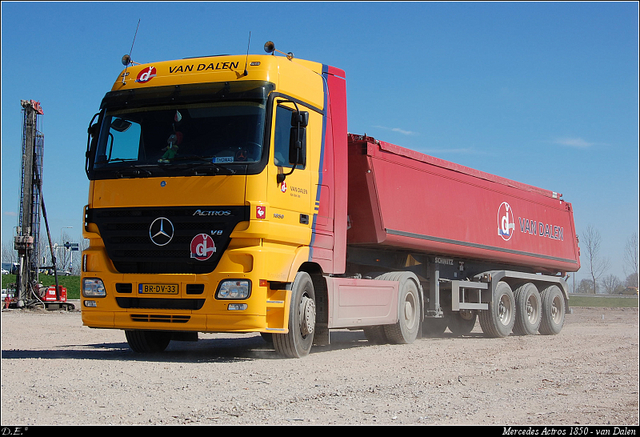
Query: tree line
[
  {"x": 593, "y": 260},
  {"x": 598, "y": 265},
  {"x": 66, "y": 260}
]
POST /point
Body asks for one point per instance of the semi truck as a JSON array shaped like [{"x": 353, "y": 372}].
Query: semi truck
[{"x": 227, "y": 195}]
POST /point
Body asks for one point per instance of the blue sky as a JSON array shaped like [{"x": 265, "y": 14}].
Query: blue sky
[{"x": 543, "y": 93}]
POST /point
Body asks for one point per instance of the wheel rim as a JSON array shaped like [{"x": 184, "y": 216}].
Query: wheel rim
[
  {"x": 466, "y": 315},
  {"x": 532, "y": 309},
  {"x": 307, "y": 316},
  {"x": 504, "y": 310},
  {"x": 556, "y": 309},
  {"x": 410, "y": 307}
]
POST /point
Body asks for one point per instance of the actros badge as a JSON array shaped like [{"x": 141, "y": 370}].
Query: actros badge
[{"x": 161, "y": 231}]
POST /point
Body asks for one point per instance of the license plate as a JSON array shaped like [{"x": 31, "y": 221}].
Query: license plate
[{"x": 158, "y": 288}]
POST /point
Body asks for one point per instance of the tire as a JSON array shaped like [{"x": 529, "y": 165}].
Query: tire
[
  {"x": 147, "y": 341},
  {"x": 499, "y": 319},
  {"x": 409, "y": 308},
  {"x": 528, "y": 310},
  {"x": 553, "y": 311},
  {"x": 302, "y": 320},
  {"x": 433, "y": 327},
  {"x": 375, "y": 335},
  {"x": 462, "y": 322}
]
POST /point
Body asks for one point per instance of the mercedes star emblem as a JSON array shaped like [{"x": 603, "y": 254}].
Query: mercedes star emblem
[{"x": 161, "y": 231}]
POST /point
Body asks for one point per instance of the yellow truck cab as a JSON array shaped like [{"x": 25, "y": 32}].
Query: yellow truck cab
[{"x": 206, "y": 176}]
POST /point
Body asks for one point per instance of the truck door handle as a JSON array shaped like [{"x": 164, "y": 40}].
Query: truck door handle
[{"x": 304, "y": 219}]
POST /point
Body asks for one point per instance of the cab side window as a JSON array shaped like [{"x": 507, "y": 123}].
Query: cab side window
[{"x": 282, "y": 138}]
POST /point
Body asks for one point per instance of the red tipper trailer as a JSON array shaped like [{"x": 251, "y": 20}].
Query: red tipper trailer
[
  {"x": 479, "y": 245},
  {"x": 404, "y": 199}
]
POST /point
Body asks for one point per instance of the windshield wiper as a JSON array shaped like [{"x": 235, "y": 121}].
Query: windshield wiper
[
  {"x": 199, "y": 163},
  {"x": 132, "y": 172},
  {"x": 120, "y": 160},
  {"x": 211, "y": 167}
]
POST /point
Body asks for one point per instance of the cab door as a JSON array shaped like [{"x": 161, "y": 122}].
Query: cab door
[{"x": 289, "y": 185}]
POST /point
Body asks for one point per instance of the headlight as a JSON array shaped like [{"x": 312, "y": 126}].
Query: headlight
[
  {"x": 93, "y": 287},
  {"x": 234, "y": 289}
]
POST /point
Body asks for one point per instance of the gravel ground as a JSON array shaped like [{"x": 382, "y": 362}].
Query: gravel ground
[{"x": 57, "y": 372}]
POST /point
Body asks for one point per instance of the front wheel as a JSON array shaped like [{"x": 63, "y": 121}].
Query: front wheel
[
  {"x": 302, "y": 320},
  {"x": 147, "y": 341}
]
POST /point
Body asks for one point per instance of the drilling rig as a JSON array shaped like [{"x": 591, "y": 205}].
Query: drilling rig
[{"x": 29, "y": 293}]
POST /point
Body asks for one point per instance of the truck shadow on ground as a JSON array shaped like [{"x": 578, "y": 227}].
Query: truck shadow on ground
[{"x": 243, "y": 347}]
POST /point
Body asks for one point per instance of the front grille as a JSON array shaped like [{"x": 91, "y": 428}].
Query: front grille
[
  {"x": 159, "y": 303},
  {"x": 159, "y": 318},
  {"x": 127, "y": 236}
]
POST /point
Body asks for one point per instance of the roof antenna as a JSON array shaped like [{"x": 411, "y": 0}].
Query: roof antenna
[
  {"x": 247, "y": 58},
  {"x": 126, "y": 59}
]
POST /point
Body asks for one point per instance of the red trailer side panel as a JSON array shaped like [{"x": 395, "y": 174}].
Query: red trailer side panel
[{"x": 405, "y": 199}]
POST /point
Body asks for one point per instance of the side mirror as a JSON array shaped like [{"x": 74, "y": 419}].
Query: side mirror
[
  {"x": 297, "y": 141},
  {"x": 92, "y": 140},
  {"x": 298, "y": 138}
]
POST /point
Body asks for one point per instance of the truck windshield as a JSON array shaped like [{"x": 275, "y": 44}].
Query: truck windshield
[
  {"x": 181, "y": 136},
  {"x": 207, "y": 128}
]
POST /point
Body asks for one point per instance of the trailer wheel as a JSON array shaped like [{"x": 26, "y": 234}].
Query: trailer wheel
[
  {"x": 406, "y": 329},
  {"x": 302, "y": 320},
  {"x": 462, "y": 322},
  {"x": 553, "y": 310},
  {"x": 528, "y": 310},
  {"x": 147, "y": 341},
  {"x": 498, "y": 320}
]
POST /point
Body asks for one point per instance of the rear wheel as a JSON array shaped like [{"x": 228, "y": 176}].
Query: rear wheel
[
  {"x": 147, "y": 341},
  {"x": 302, "y": 320},
  {"x": 462, "y": 322},
  {"x": 434, "y": 327},
  {"x": 528, "y": 310},
  {"x": 375, "y": 334},
  {"x": 499, "y": 319},
  {"x": 553, "y": 311},
  {"x": 406, "y": 329}
]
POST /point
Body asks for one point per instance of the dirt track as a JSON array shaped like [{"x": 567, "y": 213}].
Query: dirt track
[{"x": 55, "y": 371}]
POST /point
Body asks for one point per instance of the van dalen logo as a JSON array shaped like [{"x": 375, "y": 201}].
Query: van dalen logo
[
  {"x": 506, "y": 223},
  {"x": 202, "y": 247},
  {"x": 146, "y": 74},
  {"x": 161, "y": 231}
]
